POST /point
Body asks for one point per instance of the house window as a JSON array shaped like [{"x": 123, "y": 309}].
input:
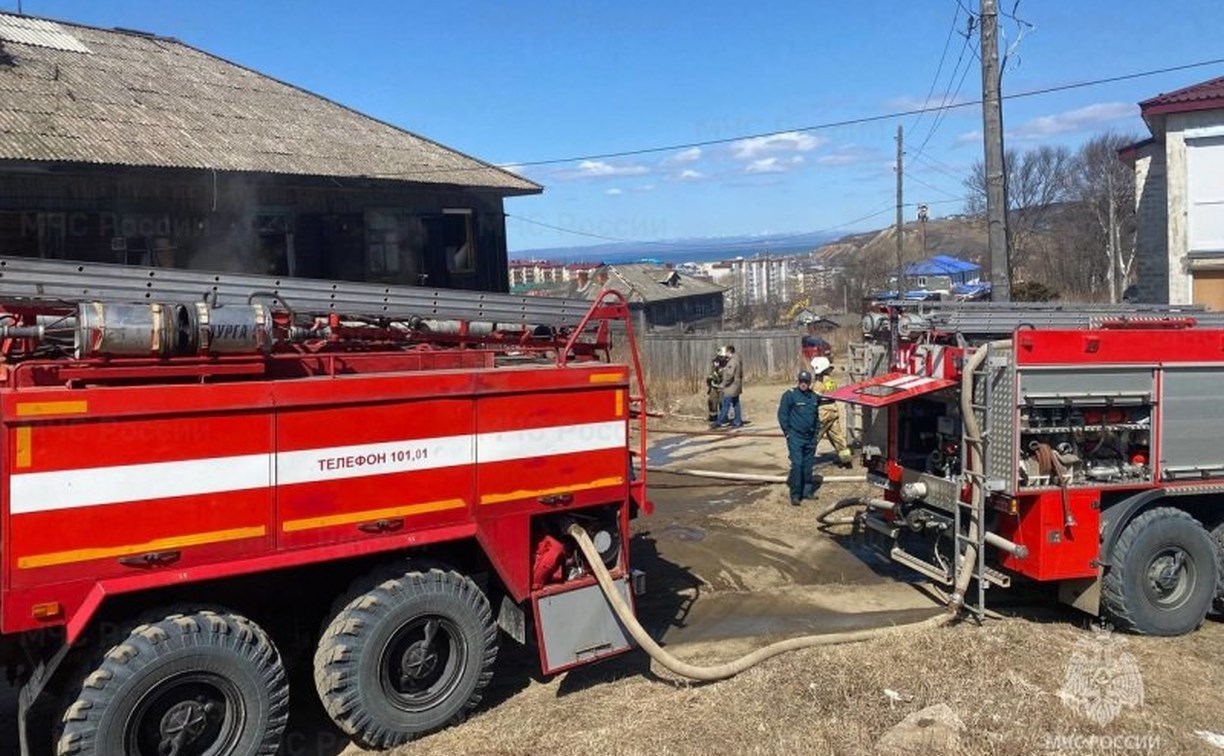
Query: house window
[
  {"x": 1205, "y": 200},
  {"x": 459, "y": 240},
  {"x": 383, "y": 234},
  {"x": 394, "y": 246}
]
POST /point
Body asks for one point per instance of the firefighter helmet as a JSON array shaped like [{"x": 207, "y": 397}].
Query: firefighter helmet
[{"x": 821, "y": 365}]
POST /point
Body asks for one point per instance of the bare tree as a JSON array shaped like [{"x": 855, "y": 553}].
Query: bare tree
[
  {"x": 1105, "y": 187},
  {"x": 1038, "y": 182}
]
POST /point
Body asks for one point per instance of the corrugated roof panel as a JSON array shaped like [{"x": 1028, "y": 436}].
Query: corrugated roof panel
[{"x": 39, "y": 33}]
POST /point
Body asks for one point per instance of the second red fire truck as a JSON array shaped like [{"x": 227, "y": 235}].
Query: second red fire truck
[{"x": 1077, "y": 447}]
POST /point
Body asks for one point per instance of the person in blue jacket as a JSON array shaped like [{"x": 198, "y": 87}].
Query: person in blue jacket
[{"x": 799, "y": 418}]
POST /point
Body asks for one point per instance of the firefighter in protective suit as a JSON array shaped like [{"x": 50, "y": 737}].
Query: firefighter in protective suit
[{"x": 830, "y": 418}]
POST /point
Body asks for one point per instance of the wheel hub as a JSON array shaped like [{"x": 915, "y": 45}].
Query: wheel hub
[
  {"x": 1167, "y": 575},
  {"x": 418, "y": 662},
  {"x": 184, "y": 723}
]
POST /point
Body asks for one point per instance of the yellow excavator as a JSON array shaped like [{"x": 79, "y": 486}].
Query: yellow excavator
[{"x": 796, "y": 308}]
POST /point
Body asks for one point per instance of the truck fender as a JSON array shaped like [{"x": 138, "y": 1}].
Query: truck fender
[{"x": 1118, "y": 516}]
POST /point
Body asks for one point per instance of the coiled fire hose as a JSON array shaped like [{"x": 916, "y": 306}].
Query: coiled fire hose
[{"x": 731, "y": 668}]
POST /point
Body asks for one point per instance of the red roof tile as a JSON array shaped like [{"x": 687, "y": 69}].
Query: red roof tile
[{"x": 1203, "y": 96}]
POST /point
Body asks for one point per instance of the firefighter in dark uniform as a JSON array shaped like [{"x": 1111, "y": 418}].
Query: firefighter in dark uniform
[
  {"x": 714, "y": 388},
  {"x": 799, "y": 418}
]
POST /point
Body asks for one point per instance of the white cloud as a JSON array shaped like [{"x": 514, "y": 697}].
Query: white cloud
[
  {"x": 968, "y": 137},
  {"x": 848, "y": 155},
  {"x": 514, "y": 168},
  {"x": 646, "y": 188},
  {"x": 600, "y": 169},
  {"x": 1086, "y": 118},
  {"x": 614, "y": 191},
  {"x": 773, "y": 164},
  {"x": 791, "y": 141},
  {"x": 691, "y": 155},
  {"x": 688, "y": 174}
]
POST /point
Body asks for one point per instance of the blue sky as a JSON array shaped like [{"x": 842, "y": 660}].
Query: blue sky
[{"x": 521, "y": 81}]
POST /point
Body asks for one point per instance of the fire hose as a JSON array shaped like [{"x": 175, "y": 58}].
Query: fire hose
[{"x": 731, "y": 668}]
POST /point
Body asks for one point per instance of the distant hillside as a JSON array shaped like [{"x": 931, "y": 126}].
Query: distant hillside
[{"x": 959, "y": 237}]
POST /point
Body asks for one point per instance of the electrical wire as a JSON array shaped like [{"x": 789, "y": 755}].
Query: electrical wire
[
  {"x": 948, "y": 97},
  {"x": 820, "y": 126},
  {"x": 939, "y": 69},
  {"x": 939, "y": 118},
  {"x": 714, "y": 246},
  {"x": 890, "y": 207},
  {"x": 932, "y": 187}
]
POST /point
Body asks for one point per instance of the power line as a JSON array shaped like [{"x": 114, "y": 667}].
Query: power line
[
  {"x": 826, "y": 125},
  {"x": 948, "y": 97},
  {"x": 728, "y": 245},
  {"x": 725, "y": 245},
  {"x": 932, "y": 187},
  {"x": 941, "y": 168},
  {"x": 938, "y": 69},
  {"x": 939, "y": 118}
]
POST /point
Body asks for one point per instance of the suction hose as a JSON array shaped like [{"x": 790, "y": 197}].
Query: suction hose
[
  {"x": 824, "y": 518},
  {"x": 732, "y": 668},
  {"x": 973, "y": 440}
]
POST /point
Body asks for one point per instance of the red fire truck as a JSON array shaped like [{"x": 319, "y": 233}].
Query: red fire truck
[
  {"x": 212, "y": 480},
  {"x": 1073, "y": 446}
]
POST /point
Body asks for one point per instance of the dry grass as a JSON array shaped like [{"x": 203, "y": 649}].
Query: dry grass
[{"x": 1002, "y": 679}]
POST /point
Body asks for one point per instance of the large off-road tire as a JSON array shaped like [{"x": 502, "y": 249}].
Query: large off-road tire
[
  {"x": 189, "y": 685},
  {"x": 1217, "y": 535},
  {"x": 1163, "y": 576},
  {"x": 410, "y": 655}
]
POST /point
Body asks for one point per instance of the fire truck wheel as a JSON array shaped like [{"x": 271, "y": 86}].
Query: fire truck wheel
[
  {"x": 189, "y": 684},
  {"x": 1163, "y": 576},
  {"x": 410, "y": 656}
]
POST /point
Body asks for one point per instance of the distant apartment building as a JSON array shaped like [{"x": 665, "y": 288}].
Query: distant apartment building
[
  {"x": 527, "y": 274},
  {"x": 816, "y": 277},
  {"x": 755, "y": 280}
]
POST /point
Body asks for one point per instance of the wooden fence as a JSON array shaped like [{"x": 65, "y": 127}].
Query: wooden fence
[{"x": 676, "y": 364}]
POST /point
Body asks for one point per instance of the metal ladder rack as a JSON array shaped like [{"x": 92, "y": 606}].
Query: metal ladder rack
[
  {"x": 64, "y": 280},
  {"x": 965, "y": 512},
  {"x": 977, "y": 320}
]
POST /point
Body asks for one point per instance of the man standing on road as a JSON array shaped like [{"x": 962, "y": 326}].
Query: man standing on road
[
  {"x": 732, "y": 386},
  {"x": 830, "y": 418},
  {"x": 798, "y": 414}
]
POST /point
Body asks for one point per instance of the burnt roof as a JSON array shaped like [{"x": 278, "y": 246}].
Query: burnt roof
[{"x": 137, "y": 99}]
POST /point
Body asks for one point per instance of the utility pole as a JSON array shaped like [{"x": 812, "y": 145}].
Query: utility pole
[
  {"x": 900, "y": 219},
  {"x": 992, "y": 136},
  {"x": 923, "y": 215}
]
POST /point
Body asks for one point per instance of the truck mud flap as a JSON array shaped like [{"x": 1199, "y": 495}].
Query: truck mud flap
[{"x": 577, "y": 625}]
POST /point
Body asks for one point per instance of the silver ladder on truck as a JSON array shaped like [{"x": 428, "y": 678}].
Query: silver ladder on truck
[{"x": 68, "y": 281}]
